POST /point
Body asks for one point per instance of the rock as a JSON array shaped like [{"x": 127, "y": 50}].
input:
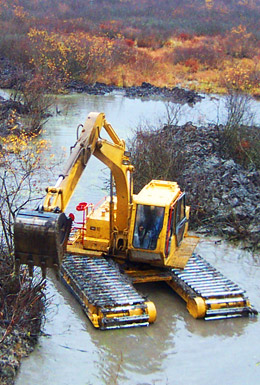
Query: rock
[
  {"x": 240, "y": 212},
  {"x": 146, "y": 85},
  {"x": 177, "y": 95},
  {"x": 211, "y": 162},
  {"x": 233, "y": 201},
  {"x": 229, "y": 164}
]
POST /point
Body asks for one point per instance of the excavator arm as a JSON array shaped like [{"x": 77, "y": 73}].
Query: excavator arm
[
  {"x": 40, "y": 236},
  {"x": 58, "y": 197}
]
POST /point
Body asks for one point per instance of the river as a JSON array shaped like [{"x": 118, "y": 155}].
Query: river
[{"x": 177, "y": 349}]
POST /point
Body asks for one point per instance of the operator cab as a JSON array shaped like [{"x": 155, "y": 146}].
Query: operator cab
[{"x": 160, "y": 223}]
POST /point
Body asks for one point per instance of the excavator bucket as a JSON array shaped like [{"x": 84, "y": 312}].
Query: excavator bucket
[{"x": 40, "y": 239}]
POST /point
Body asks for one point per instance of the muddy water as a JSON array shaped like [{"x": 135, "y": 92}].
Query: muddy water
[{"x": 177, "y": 349}]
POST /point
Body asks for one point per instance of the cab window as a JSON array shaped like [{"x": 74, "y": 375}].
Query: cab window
[
  {"x": 176, "y": 223},
  {"x": 148, "y": 225},
  {"x": 180, "y": 219},
  {"x": 170, "y": 230}
]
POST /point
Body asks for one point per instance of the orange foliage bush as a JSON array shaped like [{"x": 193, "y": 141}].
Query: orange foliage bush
[
  {"x": 239, "y": 43},
  {"x": 60, "y": 56},
  {"x": 111, "y": 28},
  {"x": 129, "y": 42},
  {"x": 184, "y": 36},
  {"x": 204, "y": 52},
  {"x": 242, "y": 75},
  {"x": 193, "y": 64}
]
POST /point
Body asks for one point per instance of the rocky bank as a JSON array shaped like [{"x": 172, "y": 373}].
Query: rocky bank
[
  {"x": 22, "y": 305},
  {"x": 223, "y": 195},
  {"x": 16, "y": 346},
  {"x": 144, "y": 91}
]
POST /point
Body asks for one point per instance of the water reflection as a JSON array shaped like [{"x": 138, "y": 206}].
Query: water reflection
[
  {"x": 221, "y": 328},
  {"x": 144, "y": 351},
  {"x": 140, "y": 350}
]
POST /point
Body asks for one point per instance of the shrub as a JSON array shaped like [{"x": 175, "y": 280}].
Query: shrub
[
  {"x": 59, "y": 57},
  {"x": 240, "y": 139},
  {"x": 240, "y": 44},
  {"x": 144, "y": 146},
  {"x": 193, "y": 64},
  {"x": 143, "y": 64},
  {"x": 15, "y": 48},
  {"x": 111, "y": 28},
  {"x": 205, "y": 53},
  {"x": 241, "y": 75},
  {"x": 149, "y": 141},
  {"x": 122, "y": 52}
]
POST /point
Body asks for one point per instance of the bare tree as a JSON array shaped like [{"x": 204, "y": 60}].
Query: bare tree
[
  {"x": 239, "y": 138},
  {"x": 173, "y": 113},
  {"x": 22, "y": 298},
  {"x": 239, "y": 111}
]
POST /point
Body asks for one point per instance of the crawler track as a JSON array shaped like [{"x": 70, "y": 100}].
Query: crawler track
[
  {"x": 106, "y": 295},
  {"x": 208, "y": 293},
  {"x": 109, "y": 299}
]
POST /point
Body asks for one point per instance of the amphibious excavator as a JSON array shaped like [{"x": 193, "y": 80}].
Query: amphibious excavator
[{"x": 124, "y": 240}]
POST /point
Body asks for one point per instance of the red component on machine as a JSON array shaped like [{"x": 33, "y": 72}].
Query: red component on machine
[{"x": 83, "y": 206}]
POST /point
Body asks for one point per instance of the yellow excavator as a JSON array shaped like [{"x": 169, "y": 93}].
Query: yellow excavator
[{"x": 124, "y": 240}]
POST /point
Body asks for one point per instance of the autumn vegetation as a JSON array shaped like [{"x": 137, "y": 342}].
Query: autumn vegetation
[{"x": 206, "y": 45}]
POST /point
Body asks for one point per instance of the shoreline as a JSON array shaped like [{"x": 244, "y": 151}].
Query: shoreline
[{"x": 145, "y": 90}]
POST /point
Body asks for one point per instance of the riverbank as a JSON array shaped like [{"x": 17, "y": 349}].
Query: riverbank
[
  {"x": 22, "y": 305},
  {"x": 16, "y": 346},
  {"x": 22, "y": 299},
  {"x": 13, "y": 77},
  {"x": 145, "y": 91},
  {"x": 224, "y": 196}
]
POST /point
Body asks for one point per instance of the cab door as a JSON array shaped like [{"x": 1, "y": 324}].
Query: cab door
[
  {"x": 176, "y": 224},
  {"x": 180, "y": 219}
]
